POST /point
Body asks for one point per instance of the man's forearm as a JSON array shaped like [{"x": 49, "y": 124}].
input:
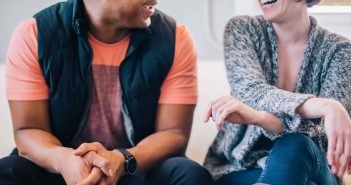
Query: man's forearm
[
  {"x": 40, "y": 147},
  {"x": 157, "y": 147}
]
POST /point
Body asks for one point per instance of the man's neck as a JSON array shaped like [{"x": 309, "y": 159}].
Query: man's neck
[
  {"x": 107, "y": 34},
  {"x": 101, "y": 29},
  {"x": 295, "y": 30}
]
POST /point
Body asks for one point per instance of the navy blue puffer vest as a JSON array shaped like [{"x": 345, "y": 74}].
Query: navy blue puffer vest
[{"x": 65, "y": 57}]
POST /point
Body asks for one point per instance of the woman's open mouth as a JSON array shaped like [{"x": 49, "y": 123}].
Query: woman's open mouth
[{"x": 268, "y": 2}]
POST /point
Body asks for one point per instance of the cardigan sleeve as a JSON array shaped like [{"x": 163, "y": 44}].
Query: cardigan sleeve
[
  {"x": 336, "y": 75},
  {"x": 335, "y": 84}
]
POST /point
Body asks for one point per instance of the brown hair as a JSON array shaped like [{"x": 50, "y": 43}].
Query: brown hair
[{"x": 311, "y": 3}]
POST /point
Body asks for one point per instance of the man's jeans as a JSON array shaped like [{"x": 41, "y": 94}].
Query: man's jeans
[{"x": 15, "y": 170}]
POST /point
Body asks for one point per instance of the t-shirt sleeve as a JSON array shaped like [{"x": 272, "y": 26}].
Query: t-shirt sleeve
[
  {"x": 24, "y": 78},
  {"x": 180, "y": 85}
]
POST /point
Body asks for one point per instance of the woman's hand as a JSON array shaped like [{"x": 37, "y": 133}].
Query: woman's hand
[
  {"x": 115, "y": 159},
  {"x": 337, "y": 124},
  {"x": 229, "y": 109}
]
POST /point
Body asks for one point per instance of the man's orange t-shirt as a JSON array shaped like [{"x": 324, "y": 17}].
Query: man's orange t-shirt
[{"x": 25, "y": 81}]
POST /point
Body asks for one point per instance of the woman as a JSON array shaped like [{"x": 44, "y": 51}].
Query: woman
[{"x": 290, "y": 103}]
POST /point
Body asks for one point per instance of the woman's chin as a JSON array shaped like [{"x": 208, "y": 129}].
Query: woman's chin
[
  {"x": 268, "y": 18},
  {"x": 271, "y": 17}
]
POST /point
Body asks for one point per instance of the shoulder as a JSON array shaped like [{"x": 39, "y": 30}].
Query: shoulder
[
  {"x": 334, "y": 49},
  {"x": 332, "y": 42},
  {"x": 24, "y": 39},
  {"x": 245, "y": 23},
  {"x": 182, "y": 32},
  {"x": 245, "y": 28},
  {"x": 162, "y": 18},
  {"x": 27, "y": 26},
  {"x": 337, "y": 42},
  {"x": 184, "y": 46}
]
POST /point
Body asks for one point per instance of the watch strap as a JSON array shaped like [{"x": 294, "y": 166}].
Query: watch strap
[{"x": 125, "y": 152}]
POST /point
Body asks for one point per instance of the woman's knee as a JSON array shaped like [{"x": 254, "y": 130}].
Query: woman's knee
[
  {"x": 295, "y": 143},
  {"x": 296, "y": 149}
]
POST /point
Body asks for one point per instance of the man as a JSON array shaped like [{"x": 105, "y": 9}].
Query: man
[{"x": 101, "y": 90}]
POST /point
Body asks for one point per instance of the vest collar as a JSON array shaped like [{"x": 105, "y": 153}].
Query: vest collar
[
  {"x": 80, "y": 26},
  {"x": 79, "y": 22}
]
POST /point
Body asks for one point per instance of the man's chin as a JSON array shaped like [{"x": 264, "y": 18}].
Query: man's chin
[
  {"x": 147, "y": 22},
  {"x": 140, "y": 24}
]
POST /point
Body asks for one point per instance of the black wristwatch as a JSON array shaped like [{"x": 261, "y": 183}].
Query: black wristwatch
[{"x": 130, "y": 163}]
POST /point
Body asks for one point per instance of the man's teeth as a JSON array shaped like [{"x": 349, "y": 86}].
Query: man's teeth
[
  {"x": 264, "y": 2},
  {"x": 149, "y": 6}
]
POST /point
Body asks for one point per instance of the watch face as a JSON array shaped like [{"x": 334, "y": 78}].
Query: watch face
[{"x": 131, "y": 166}]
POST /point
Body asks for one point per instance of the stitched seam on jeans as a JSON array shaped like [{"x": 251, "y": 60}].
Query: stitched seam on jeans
[
  {"x": 264, "y": 171},
  {"x": 322, "y": 165}
]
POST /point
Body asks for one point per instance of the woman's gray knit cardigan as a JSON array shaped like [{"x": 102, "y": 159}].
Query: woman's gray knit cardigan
[{"x": 251, "y": 61}]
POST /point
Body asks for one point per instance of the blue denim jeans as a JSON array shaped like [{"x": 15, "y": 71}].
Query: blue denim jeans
[
  {"x": 16, "y": 170},
  {"x": 294, "y": 160}
]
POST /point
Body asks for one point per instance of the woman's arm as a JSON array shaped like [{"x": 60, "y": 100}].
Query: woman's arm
[
  {"x": 334, "y": 105},
  {"x": 230, "y": 109}
]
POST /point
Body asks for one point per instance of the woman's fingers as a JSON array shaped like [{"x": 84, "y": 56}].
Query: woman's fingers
[
  {"x": 208, "y": 112},
  {"x": 331, "y": 150},
  {"x": 221, "y": 114},
  {"x": 225, "y": 111},
  {"x": 338, "y": 153},
  {"x": 219, "y": 104},
  {"x": 346, "y": 156},
  {"x": 213, "y": 106}
]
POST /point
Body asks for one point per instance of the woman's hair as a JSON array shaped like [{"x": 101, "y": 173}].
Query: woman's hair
[{"x": 310, "y": 3}]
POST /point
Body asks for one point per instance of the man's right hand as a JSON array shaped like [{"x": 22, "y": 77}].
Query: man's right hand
[{"x": 77, "y": 170}]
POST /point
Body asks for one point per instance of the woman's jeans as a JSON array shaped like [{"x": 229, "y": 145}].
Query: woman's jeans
[{"x": 294, "y": 160}]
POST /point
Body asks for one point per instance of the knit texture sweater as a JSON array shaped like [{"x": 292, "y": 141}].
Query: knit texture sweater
[{"x": 251, "y": 60}]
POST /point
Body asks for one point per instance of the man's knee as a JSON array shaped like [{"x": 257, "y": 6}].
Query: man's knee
[
  {"x": 184, "y": 171},
  {"x": 17, "y": 170},
  {"x": 13, "y": 164},
  {"x": 182, "y": 164}
]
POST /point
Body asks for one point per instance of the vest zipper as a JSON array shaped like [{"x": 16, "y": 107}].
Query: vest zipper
[{"x": 84, "y": 120}]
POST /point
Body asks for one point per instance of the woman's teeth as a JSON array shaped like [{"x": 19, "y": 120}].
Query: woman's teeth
[{"x": 265, "y": 2}]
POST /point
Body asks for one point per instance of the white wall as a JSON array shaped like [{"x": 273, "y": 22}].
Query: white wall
[
  {"x": 193, "y": 13},
  {"x": 205, "y": 19}
]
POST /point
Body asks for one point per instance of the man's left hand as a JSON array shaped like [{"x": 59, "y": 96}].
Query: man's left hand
[{"x": 115, "y": 158}]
